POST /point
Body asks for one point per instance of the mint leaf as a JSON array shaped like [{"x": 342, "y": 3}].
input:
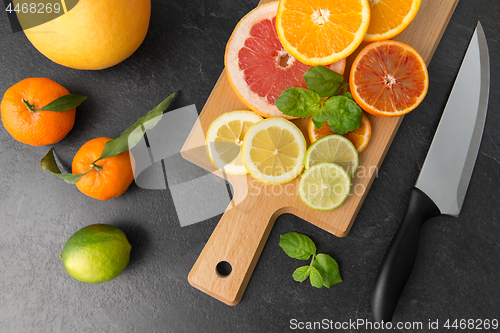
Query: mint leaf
[
  {"x": 341, "y": 113},
  {"x": 328, "y": 268},
  {"x": 320, "y": 118},
  {"x": 64, "y": 103},
  {"x": 48, "y": 163},
  {"x": 298, "y": 102},
  {"x": 315, "y": 277},
  {"x": 132, "y": 135},
  {"x": 297, "y": 246},
  {"x": 324, "y": 81},
  {"x": 301, "y": 273}
]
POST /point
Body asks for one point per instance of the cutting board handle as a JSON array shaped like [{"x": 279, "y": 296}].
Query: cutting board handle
[{"x": 227, "y": 261}]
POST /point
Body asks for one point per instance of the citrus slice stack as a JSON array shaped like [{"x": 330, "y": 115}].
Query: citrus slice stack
[
  {"x": 224, "y": 137},
  {"x": 388, "y": 18},
  {"x": 319, "y": 32},
  {"x": 388, "y": 78},
  {"x": 258, "y": 66},
  {"x": 273, "y": 151},
  {"x": 359, "y": 137},
  {"x": 324, "y": 186},
  {"x": 334, "y": 149}
]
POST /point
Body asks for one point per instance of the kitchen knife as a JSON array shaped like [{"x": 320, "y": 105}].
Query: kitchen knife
[{"x": 445, "y": 175}]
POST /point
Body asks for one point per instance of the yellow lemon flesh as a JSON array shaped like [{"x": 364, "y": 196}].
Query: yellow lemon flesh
[
  {"x": 224, "y": 139},
  {"x": 273, "y": 151}
]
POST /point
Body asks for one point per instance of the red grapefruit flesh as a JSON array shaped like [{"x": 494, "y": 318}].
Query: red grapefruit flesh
[{"x": 258, "y": 66}]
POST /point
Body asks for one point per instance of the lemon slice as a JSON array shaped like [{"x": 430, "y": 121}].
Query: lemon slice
[
  {"x": 224, "y": 137},
  {"x": 335, "y": 149},
  {"x": 324, "y": 186},
  {"x": 273, "y": 151}
]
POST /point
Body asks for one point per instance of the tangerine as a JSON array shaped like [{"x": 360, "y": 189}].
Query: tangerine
[
  {"x": 108, "y": 178},
  {"x": 27, "y": 125}
]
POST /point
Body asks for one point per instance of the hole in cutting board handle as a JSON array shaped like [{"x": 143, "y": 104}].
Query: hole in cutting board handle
[{"x": 223, "y": 269}]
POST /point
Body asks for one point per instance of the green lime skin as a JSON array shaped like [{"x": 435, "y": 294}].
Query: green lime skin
[{"x": 95, "y": 254}]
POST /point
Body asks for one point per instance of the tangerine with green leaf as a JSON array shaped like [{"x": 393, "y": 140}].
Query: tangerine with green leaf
[
  {"x": 109, "y": 177},
  {"x": 23, "y": 119},
  {"x": 96, "y": 253}
]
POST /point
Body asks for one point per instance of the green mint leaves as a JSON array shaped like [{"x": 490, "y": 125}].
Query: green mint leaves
[
  {"x": 324, "y": 81},
  {"x": 323, "y": 269},
  {"x": 128, "y": 139},
  {"x": 297, "y": 245},
  {"x": 341, "y": 113},
  {"x": 326, "y": 100},
  {"x": 298, "y": 102}
]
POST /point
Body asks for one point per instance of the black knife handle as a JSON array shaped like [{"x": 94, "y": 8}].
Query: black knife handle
[{"x": 400, "y": 257}]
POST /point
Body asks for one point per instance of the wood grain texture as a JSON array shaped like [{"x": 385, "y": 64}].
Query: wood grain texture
[{"x": 243, "y": 229}]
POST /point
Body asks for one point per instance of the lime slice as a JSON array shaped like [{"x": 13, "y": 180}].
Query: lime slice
[
  {"x": 324, "y": 186},
  {"x": 273, "y": 151},
  {"x": 224, "y": 137},
  {"x": 335, "y": 149}
]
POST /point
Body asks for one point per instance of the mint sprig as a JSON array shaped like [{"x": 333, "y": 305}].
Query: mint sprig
[
  {"x": 323, "y": 270},
  {"x": 326, "y": 100},
  {"x": 324, "y": 81}
]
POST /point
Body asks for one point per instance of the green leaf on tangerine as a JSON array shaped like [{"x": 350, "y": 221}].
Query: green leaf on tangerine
[
  {"x": 48, "y": 163},
  {"x": 132, "y": 135},
  {"x": 64, "y": 103}
]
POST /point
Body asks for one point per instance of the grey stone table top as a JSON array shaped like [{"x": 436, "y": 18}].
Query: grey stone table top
[{"x": 456, "y": 275}]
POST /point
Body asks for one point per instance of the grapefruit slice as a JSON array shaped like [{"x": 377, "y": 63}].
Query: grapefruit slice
[{"x": 258, "y": 66}]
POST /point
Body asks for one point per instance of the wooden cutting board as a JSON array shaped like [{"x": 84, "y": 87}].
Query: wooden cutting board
[{"x": 241, "y": 233}]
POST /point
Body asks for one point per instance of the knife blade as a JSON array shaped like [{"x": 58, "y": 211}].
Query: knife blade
[{"x": 444, "y": 178}]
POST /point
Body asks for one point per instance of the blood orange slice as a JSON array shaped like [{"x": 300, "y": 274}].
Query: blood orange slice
[
  {"x": 388, "y": 78},
  {"x": 258, "y": 66}
]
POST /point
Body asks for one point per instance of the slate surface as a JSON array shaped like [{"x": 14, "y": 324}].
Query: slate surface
[{"x": 456, "y": 275}]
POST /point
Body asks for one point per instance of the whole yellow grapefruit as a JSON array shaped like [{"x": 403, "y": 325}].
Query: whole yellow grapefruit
[{"x": 95, "y": 34}]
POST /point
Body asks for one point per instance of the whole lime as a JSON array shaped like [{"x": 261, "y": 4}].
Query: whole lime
[{"x": 96, "y": 253}]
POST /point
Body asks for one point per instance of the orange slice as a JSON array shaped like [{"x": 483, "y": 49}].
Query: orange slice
[
  {"x": 319, "y": 32},
  {"x": 388, "y": 78},
  {"x": 359, "y": 137},
  {"x": 388, "y": 18},
  {"x": 258, "y": 66}
]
